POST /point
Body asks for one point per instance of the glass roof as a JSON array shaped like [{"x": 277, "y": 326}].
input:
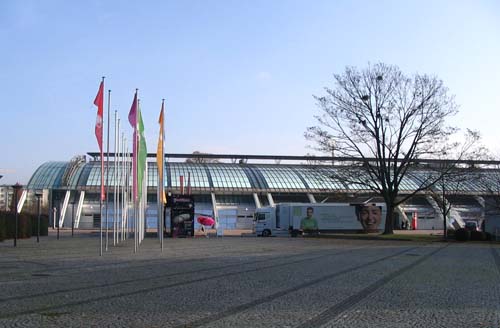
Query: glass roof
[
  {"x": 281, "y": 177},
  {"x": 254, "y": 177},
  {"x": 199, "y": 175},
  {"x": 353, "y": 177},
  {"x": 466, "y": 182},
  {"x": 91, "y": 174},
  {"x": 409, "y": 183},
  {"x": 73, "y": 180},
  {"x": 228, "y": 177},
  {"x": 48, "y": 175},
  {"x": 320, "y": 178}
]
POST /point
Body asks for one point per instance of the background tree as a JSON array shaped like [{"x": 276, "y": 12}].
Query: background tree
[
  {"x": 199, "y": 159},
  {"x": 454, "y": 178},
  {"x": 490, "y": 180},
  {"x": 388, "y": 120}
]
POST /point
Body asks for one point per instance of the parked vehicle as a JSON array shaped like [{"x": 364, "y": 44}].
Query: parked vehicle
[
  {"x": 312, "y": 218},
  {"x": 471, "y": 226}
]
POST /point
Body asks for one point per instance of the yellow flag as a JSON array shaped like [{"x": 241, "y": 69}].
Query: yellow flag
[{"x": 160, "y": 158}]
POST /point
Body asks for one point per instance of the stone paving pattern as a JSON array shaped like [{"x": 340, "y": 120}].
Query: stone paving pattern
[{"x": 248, "y": 282}]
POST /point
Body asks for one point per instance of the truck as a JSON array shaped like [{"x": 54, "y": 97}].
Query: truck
[{"x": 299, "y": 218}]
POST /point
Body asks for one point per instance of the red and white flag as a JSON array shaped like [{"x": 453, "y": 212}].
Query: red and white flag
[{"x": 99, "y": 102}]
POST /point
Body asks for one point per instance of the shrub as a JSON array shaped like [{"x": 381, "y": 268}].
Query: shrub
[
  {"x": 44, "y": 225},
  {"x": 477, "y": 235},
  {"x": 462, "y": 234},
  {"x": 3, "y": 230},
  {"x": 25, "y": 225}
]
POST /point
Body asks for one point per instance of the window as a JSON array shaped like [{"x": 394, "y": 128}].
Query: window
[{"x": 260, "y": 216}]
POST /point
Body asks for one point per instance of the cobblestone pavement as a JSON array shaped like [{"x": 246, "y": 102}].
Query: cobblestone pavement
[{"x": 248, "y": 282}]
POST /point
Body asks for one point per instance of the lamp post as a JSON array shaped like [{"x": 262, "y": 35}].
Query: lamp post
[
  {"x": 73, "y": 214},
  {"x": 38, "y": 194},
  {"x": 445, "y": 209},
  {"x": 16, "y": 187},
  {"x": 56, "y": 210},
  {"x": 57, "y": 226}
]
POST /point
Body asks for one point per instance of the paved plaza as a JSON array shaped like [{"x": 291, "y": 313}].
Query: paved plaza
[{"x": 248, "y": 282}]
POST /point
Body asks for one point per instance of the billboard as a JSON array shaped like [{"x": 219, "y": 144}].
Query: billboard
[
  {"x": 368, "y": 217},
  {"x": 181, "y": 215}
]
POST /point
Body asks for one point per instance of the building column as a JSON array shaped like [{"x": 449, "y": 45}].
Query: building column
[
  {"x": 402, "y": 213},
  {"x": 270, "y": 199},
  {"x": 482, "y": 203},
  {"x": 256, "y": 200},
  {"x": 311, "y": 198},
  {"x": 214, "y": 207},
  {"x": 62, "y": 212},
  {"x": 79, "y": 209},
  {"x": 453, "y": 214}
]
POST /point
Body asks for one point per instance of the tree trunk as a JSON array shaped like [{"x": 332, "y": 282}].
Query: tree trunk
[{"x": 389, "y": 220}]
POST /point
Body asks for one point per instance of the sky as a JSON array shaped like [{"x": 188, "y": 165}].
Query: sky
[{"x": 237, "y": 76}]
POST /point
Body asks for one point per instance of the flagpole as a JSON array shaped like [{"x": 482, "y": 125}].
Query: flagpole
[
  {"x": 115, "y": 176},
  {"x": 107, "y": 171},
  {"x": 162, "y": 216},
  {"x": 122, "y": 192},
  {"x": 118, "y": 185},
  {"x": 144, "y": 200},
  {"x": 141, "y": 199},
  {"x": 100, "y": 213},
  {"x": 135, "y": 191},
  {"x": 129, "y": 203},
  {"x": 124, "y": 187},
  {"x": 102, "y": 184}
]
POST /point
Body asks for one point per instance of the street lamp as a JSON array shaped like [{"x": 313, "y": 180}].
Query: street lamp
[
  {"x": 56, "y": 210},
  {"x": 73, "y": 214},
  {"x": 57, "y": 225},
  {"x": 38, "y": 194},
  {"x": 16, "y": 188}
]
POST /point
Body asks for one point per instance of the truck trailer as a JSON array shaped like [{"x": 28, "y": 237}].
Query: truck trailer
[{"x": 311, "y": 218}]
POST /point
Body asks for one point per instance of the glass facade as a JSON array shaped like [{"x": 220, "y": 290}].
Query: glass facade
[
  {"x": 199, "y": 175},
  {"x": 94, "y": 178},
  {"x": 73, "y": 180},
  {"x": 228, "y": 177},
  {"x": 49, "y": 175},
  {"x": 281, "y": 178},
  {"x": 409, "y": 183},
  {"x": 248, "y": 178},
  {"x": 353, "y": 178},
  {"x": 153, "y": 175},
  {"x": 320, "y": 178},
  {"x": 91, "y": 175}
]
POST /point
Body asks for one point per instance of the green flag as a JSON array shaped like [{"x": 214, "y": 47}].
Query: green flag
[{"x": 142, "y": 153}]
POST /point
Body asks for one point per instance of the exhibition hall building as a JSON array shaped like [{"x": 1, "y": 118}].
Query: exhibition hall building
[{"x": 230, "y": 188}]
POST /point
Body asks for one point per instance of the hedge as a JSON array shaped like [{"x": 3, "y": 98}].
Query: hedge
[{"x": 27, "y": 225}]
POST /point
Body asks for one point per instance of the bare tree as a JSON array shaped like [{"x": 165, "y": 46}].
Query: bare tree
[
  {"x": 200, "y": 159},
  {"x": 388, "y": 120},
  {"x": 455, "y": 179},
  {"x": 453, "y": 182},
  {"x": 490, "y": 180},
  {"x": 312, "y": 161}
]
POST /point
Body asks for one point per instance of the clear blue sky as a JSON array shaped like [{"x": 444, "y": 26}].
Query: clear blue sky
[{"x": 237, "y": 76}]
